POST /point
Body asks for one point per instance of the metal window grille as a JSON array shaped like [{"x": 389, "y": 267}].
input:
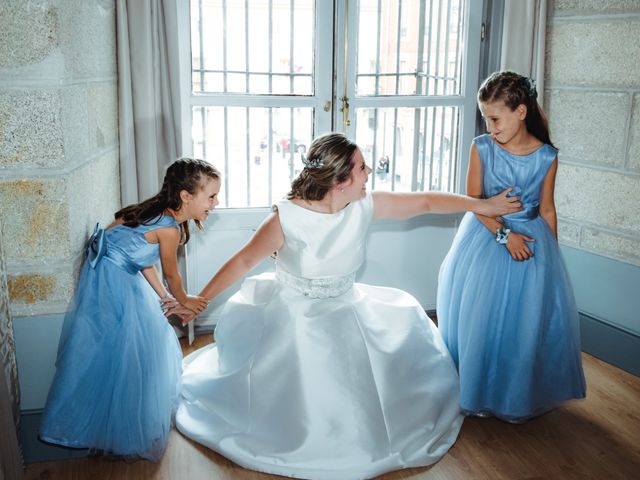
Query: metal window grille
[
  {"x": 405, "y": 156},
  {"x": 243, "y": 50},
  {"x": 252, "y": 66},
  {"x": 410, "y": 49}
]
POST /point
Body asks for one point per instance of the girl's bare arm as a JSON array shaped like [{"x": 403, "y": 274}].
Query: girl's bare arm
[
  {"x": 547, "y": 202},
  {"x": 169, "y": 239}
]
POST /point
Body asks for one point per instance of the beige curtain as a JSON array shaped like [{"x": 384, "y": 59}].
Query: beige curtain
[
  {"x": 10, "y": 455},
  {"x": 149, "y": 94},
  {"x": 523, "y": 39},
  {"x": 148, "y": 98}
]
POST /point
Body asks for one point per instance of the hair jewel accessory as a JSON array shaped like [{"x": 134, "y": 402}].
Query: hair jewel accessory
[
  {"x": 313, "y": 164},
  {"x": 531, "y": 86}
]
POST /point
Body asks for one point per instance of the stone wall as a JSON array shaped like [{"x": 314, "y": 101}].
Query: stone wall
[
  {"x": 592, "y": 98},
  {"x": 59, "y": 170}
]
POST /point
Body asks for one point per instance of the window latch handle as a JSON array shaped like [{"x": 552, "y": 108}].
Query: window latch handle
[{"x": 345, "y": 111}]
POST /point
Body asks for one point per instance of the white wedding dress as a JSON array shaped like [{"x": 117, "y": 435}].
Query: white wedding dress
[{"x": 315, "y": 376}]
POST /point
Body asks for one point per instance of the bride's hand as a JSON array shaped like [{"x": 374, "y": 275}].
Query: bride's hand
[
  {"x": 500, "y": 204},
  {"x": 185, "y": 314}
]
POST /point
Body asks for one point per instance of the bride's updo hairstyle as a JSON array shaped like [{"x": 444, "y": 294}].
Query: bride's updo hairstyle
[{"x": 327, "y": 164}]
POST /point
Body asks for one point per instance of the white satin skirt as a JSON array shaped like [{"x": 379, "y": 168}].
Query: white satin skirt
[{"x": 346, "y": 387}]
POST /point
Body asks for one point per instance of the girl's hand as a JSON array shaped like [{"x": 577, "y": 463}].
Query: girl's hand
[
  {"x": 517, "y": 246},
  {"x": 195, "y": 303},
  {"x": 500, "y": 204},
  {"x": 167, "y": 303}
]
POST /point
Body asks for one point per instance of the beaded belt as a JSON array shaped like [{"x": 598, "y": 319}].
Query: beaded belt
[{"x": 316, "y": 287}]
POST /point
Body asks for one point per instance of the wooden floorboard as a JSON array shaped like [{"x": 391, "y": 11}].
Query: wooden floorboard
[{"x": 596, "y": 438}]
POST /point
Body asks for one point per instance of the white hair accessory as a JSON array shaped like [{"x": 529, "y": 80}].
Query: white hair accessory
[{"x": 314, "y": 164}]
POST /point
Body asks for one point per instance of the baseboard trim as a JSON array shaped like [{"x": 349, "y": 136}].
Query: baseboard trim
[
  {"x": 610, "y": 343},
  {"x": 35, "y": 450}
]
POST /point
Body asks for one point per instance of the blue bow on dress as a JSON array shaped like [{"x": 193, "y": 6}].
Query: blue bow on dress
[{"x": 97, "y": 246}]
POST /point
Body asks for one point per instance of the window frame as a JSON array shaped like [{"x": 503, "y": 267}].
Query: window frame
[
  {"x": 477, "y": 55},
  {"x": 466, "y": 101},
  {"x": 322, "y": 91},
  {"x": 231, "y": 227}
]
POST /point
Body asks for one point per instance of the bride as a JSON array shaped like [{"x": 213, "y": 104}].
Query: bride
[{"x": 313, "y": 375}]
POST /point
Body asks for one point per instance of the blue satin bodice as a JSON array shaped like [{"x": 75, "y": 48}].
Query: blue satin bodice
[
  {"x": 127, "y": 247},
  {"x": 524, "y": 173}
]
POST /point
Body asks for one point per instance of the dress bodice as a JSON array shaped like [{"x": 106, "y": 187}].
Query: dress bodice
[
  {"x": 323, "y": 245},
  {"x": 524, "y": 173},
  {"x": 129, "y": 247}
]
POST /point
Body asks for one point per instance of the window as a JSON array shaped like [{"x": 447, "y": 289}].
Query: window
[
  {"x": 410, "y": 54},
  {"x": 398, "y": 76},
  {"x": 266, "y": 76}
]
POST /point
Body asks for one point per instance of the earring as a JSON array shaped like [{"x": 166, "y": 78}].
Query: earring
[{"x": 342, "y": 190}]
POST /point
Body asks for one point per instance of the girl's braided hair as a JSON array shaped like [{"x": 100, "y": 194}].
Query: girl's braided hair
[{"x": 514, "y": 89}]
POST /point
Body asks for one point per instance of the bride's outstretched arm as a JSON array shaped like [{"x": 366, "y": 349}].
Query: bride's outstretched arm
[
  {"x": 407, "y": 205},
  {"x": 267, "y": 239}
]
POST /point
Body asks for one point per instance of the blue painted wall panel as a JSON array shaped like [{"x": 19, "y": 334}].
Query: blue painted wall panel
[{"x": 606, "y": 289}]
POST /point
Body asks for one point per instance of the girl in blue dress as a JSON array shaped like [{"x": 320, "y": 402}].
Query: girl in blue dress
[
  {"x": 118, "y": 368},
  {"x": 505, "y": 305}
]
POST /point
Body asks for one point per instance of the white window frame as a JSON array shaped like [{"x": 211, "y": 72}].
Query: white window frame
[
  {"x": 323, "y": 90},
  {"x": 466, "y": 101},
  {"x": 230, "y": 228}
]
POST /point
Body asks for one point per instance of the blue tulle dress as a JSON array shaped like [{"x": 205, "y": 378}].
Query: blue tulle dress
[
  {"x": 118, "y": 370},
  {"x": 511, "y": 327}
]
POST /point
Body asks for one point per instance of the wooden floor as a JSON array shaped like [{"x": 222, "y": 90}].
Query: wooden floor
[{"x": 597, "y": 438}]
